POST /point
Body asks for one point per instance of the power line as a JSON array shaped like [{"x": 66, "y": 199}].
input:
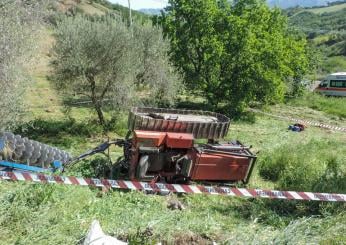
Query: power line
[{"x": 130, "y": 14}]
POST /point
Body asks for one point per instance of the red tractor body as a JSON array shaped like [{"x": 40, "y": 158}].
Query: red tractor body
[
  {"x": 177, "y": 158},
  {"x": 167, "y": 144}
]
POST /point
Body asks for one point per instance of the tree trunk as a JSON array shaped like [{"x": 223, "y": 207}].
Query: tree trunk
[
  {"x": 95, "y": 101},
  {"x": 100, "y": 114}
]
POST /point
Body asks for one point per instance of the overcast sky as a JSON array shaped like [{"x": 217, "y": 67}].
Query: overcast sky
[{"x": 142, "y": 4}]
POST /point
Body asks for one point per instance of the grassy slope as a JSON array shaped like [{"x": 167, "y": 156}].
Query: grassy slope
[
  {"x": 325, "y": 27},
  {"x": 328, "y": 9},
  {"x": 36, "y": 214},
  {"x": 92, "y": 8},
  {"x": 62, "y": 215}
]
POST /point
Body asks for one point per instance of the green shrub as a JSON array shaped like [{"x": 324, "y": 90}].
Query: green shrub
[
  {"x": 333, "y": 178},
  {"x": 313, "y": 166},
  {"x": 118, "y": 124},
  {"x": 316, "y": 166},
  {"x": 52, "y": 128},
  {"x": 97, "y": 167},
  {"x": 334, "y": 64}
]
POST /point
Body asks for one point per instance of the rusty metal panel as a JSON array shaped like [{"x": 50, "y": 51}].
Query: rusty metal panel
[{"x": 202, "y": 124}]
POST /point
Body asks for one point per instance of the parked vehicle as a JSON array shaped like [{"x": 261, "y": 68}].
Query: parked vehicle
[{"x": 333, "y": 85}]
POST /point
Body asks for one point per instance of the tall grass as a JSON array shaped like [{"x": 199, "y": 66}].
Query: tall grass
[
  {"x": 52, "y": 214},
  {"x": 312, "y": 166},
  {"x": 335, "y": 106}
]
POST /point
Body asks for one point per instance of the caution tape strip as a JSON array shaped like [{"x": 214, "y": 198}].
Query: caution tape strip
[
  {"x": 175, "y": 188},
  {"x": 312, "y": 123}
]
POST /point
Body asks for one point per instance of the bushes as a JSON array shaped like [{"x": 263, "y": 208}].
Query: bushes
[
  {"x": 52, "y": 128},
  {"x": 314, "y": 166},
  {"x": 333, "y": 178}
]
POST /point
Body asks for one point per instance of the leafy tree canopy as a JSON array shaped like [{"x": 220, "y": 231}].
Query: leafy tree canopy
[
  {"x": 100, "y": 58},
  {"x": 20, "y": 23},
  {"x": 233, "y": 53}
]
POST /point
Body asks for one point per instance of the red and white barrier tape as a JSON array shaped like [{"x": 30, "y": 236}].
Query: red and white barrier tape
[
  {"x": 162, "y": 187},
  {"x": 312, "y": 123}
]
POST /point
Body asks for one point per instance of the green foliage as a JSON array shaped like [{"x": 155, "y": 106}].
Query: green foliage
[
  {"x": 154, "y": 76},
  {"x": 67, "y": 134},
  {"x": 93, "y": 59},
  {"x": 233, "y": 54},
  {"x": 313, "y": 166},
  {"x": 104, "y": 61},
  {"x": 51, "y": 128},
  {"x": 334, "y": 64},
  {"x": 313, "y": 24},
  {"x": 19, "y": 24},
  {"x": 325, "y": 30},
  {"x": 141, "y": 237},
  {"x": 124, "y": 11},
  {"x": 97, "y": 167},
  {"x": 334, "y": 177}
]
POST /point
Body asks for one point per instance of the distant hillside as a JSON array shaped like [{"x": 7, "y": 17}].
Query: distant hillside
[
  {"x": 151, "y": 11},
  {"x": 99, "y": 7},
  {"x": 302, "y": 3},
  {"x": 325, "y": 27},
  {"x": 284, "y": 4}
]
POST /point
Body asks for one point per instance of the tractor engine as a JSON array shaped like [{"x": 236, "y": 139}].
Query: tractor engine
[{"x": 164, "y": 146}]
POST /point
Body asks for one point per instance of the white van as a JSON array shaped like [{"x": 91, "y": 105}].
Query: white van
[{"x": 333, "y": 85}]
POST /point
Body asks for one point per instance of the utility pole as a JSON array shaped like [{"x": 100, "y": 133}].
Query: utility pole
[{"x": 130, "y": 14}]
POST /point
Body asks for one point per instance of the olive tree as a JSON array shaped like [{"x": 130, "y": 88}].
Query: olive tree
[
  {"x": 154, "y": 71},
  {"x": 20, "y": 22},
  {"x": 102, "y": 59},
  {"x": 92, "y": 58}
]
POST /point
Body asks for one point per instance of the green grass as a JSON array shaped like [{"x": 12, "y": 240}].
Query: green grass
[
  {"x": 36, "y": 214},
  {"x": 328, "y": 9},
  {"x": 333, "y": 106},
  {"x": 62, "y": 214},
  {"x": 47, "y": 214},
  {"x": 92, "y": 9},
  {"x": 314, "y": 165}
]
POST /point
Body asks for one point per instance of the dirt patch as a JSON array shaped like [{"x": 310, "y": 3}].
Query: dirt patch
[{"x": 194, "y": 239}]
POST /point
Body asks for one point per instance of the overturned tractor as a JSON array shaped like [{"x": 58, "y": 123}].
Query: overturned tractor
[{"x": 163, "y": 144}]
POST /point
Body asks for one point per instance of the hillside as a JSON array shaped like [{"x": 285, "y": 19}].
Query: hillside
[
  {"x": 151, "y": 11},
  {"x": 99, "y": 7},
  {"x": 302, "y": 3},
  {"x": 325, "y": 28}
]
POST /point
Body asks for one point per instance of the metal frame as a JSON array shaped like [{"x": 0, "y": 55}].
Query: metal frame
[{"x": 19, "y": 166}]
